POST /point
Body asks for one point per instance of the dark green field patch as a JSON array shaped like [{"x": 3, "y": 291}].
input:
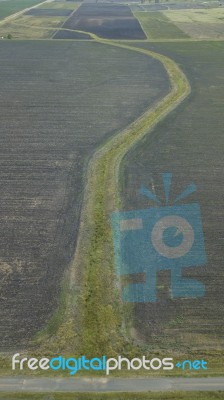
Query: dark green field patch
[
  {"x": 157, "y": 26},
  {"x": 12, "y": 6}
]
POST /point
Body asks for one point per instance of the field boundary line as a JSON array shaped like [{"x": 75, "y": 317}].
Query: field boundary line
[
  {"x": 160, "y": 20},
  {"x": 61, "y": 27},
  {"x": 147, "y": 37}
]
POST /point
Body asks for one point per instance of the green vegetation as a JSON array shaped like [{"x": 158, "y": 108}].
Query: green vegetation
[
  {"x": 12, "y": 6},
  {"x": 157, "y": 26},
  {"x": 101, "y": 313},
  {"x": 117, "y": 396},
  {"x": 167, "y": 25},
  {"x": 33, "y": 27},
  {"x": 26, "y": 27},
  {"x": 39, "y": 22},
  {"x": 29, "y": 27},
  {"x": 214, "y": 359}
]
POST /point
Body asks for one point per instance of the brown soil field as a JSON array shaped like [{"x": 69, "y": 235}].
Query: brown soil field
[
  {"x": 59, "y": 101},
  {"x": 106, "y": 21},
  {"x": 188, "y": 143}
]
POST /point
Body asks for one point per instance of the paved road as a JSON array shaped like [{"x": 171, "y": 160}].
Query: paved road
[{"x": 109, "y": 385}]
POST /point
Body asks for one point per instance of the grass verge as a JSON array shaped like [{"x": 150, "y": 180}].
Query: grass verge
[
  {"x": 117, "y": 396},
  {"x": 101, "y": 316}
]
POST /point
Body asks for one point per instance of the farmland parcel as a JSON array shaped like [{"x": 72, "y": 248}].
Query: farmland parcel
[
  {"x": 107, "y": 21},
  {"x": 180, "y": 24},
  {"x": 189, "y": 143},
  {"x": 59, "y": 102}
]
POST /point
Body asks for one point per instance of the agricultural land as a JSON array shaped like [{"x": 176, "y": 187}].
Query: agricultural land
[
  {"x": 98, "y": 98},
  {"x": 51, "y": 124},
  {"x": 189, "y": 144}
]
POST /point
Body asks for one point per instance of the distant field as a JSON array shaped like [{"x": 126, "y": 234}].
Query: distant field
[
  {"x": 49, "y": 12},
  {"x": 40, "y": 23},
  {"x": 199, "y": 24},
  {"x": 183, "y": 23},
  {"x": 70, "y": 5},
  {"x": 116, "y": 21},
  {"x": 31, "y": 27},
  {"x": 153, "y": 7},
  {"x": 188, "y": 143},
  {"x": 157, "y": 26},
  {"x": 50, "y": 125},
  {"x": 172, "y": 6},
  {"x": 9, "y": 7},
  {"x": 107, "y": 21}
]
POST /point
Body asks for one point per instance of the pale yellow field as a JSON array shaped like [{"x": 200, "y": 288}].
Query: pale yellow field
[
  {"x": 29, "y": 27},
  {"x": 208, "y": 16},
  {"x": 199, "y": 24}
]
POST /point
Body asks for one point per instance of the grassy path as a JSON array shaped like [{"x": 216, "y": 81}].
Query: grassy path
[{"x": 100, "y": 315}]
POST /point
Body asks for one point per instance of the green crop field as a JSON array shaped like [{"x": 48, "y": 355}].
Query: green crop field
[
  {"x": 8, "y": 7},
  {"x": 157, "y": 26},
  {"x": 183, "y": 24},
  {"x": 188, "y": 143}
]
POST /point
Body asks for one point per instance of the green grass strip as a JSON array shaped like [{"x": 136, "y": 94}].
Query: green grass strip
[
  {"x": 101, "y": 310},
  {"x": 94, "y": 318}
]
